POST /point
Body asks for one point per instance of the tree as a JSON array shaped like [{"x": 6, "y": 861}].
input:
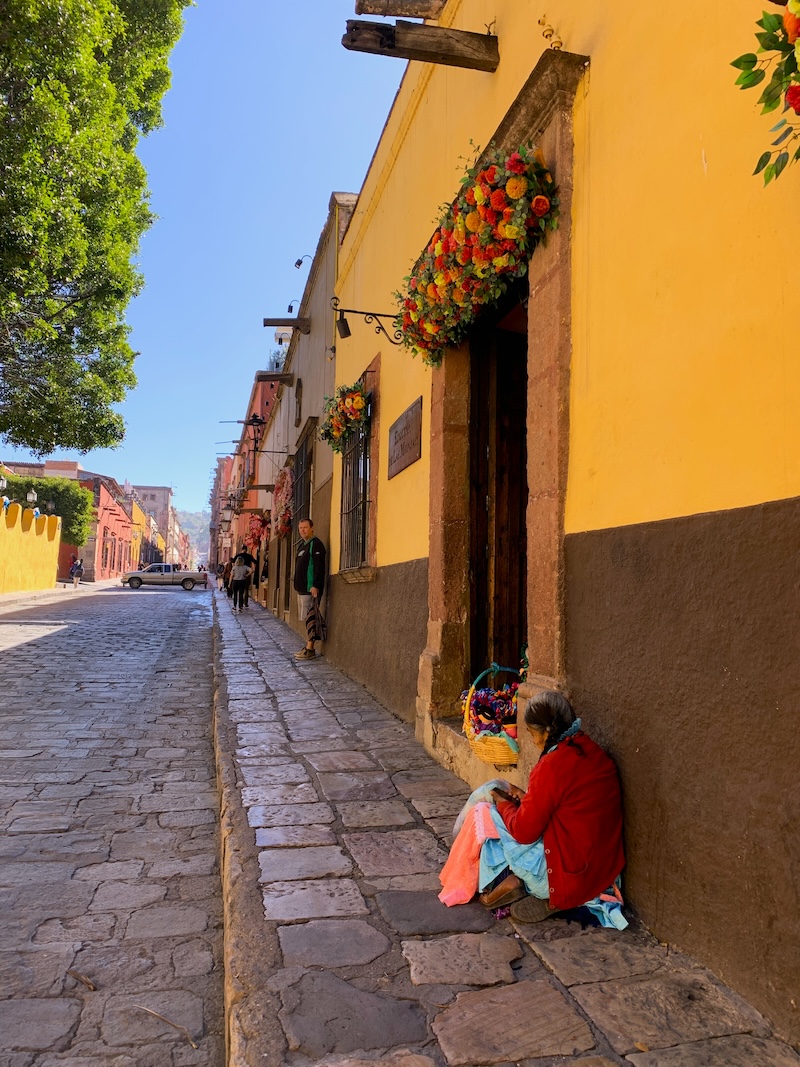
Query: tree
[
  {"x": 80, "y": 82},
  {"x": 73, "y": 503}
]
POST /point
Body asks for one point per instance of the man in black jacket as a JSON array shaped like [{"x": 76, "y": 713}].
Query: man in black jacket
[{"x": 309, "y": 580}]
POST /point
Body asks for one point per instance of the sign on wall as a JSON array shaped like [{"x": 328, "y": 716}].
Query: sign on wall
[{"x": 405, "y": 439}]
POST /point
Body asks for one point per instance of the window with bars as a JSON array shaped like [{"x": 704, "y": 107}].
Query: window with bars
[
  {"x": 301, "y": 503},
  {"x": 355, "y": 496}
]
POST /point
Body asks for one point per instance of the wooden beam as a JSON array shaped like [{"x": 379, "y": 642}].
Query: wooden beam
[
  {"x": 427, "y": 44},
  {"x": 303, "y": 325},
  {"x": 406, "y": 9}
]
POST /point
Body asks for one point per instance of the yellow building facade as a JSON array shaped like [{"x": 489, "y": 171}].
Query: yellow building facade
[
  {"x": 29, "y": 547},
  {"x": 643, "y": 388}
]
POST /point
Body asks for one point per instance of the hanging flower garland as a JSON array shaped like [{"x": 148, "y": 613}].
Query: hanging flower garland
[
  {"x": 344, "y": 413},
  {"x": 779, "y": 40},
  {"x": 283, "y": 502},
  {"x": 258, "y": 530},
  {"x": 483, "y": 240}
]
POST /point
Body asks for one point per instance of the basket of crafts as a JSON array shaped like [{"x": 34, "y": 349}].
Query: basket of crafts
[{"x": 490, "y": 718}]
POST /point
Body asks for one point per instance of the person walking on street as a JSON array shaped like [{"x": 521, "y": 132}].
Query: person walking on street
[
  {"x": 240, "y": 579},
  {"x": 220, "y": 576},
  {"x": 76, "y": 573},
  {"x": 309, "y": 582},
  {"x": 243, "y": 556}
]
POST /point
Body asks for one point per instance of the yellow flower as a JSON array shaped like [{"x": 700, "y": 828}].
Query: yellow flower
[
  {"x": 516, "y": 187},
  {"x": 358, "y": 403},
  {"x": 479, "y": 197},
  {"x": 794, "y": 7},
  {"x": 797, "y": 51},
  {"x": 439, "y": 279},
  {"x": 511, "y": 232},
  {"x": 437, "y": 248},
  {"x": 500, "y": 261},
  {"x": 474, "y": 222}
]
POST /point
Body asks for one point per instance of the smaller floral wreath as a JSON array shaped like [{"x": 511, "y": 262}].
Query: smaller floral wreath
[
  {"x": 258, "y": 530},
  {"x": 283, "y": 502},
  {"x": 344, "y": 412},
  {"x": 484, "y": 239},
  {"x": 779, "y": 43}
]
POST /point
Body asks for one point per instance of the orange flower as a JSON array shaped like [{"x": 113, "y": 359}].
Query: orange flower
[
  {"x": 432, "y": 292},
  {"x": 498, "y": 199},
  {"x": 463, "y": 255},
  {"x": 540, "y": 206},
  {"x": 791, "y": 23},
  {"x": 474, "y": 222},
  {"x": 516, "y": 187}
]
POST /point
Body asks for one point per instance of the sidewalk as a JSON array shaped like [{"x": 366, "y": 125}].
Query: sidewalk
[
  {"x": 24, "y": 597},
  {"x": 335, "y": 823}
]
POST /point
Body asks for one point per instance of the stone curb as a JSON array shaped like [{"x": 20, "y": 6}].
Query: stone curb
[{"x": 248, "y": 957}]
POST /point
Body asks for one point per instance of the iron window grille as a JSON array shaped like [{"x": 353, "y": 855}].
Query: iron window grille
[{"x": 355, "y": 495}]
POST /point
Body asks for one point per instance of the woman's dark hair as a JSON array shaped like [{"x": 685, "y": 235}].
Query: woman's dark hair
[{"x": 551, "y": 712}]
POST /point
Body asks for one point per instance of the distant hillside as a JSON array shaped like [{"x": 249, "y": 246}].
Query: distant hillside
[{"x": 195, "y": 524}]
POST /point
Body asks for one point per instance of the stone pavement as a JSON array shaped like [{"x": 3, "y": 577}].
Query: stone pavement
[
  {"x": 335, "y": 823},
  {"x": 109, "y": 882}
]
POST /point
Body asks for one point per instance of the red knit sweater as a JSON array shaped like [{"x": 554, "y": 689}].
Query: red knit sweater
[{"x": 573, "y": 801}]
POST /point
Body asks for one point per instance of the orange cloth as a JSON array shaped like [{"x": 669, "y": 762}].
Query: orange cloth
[{"x": 459, "y": 876}]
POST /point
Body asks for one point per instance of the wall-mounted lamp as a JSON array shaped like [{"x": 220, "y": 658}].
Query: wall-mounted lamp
[
  {"x": 290, "y": 308},
  {"x": 3, "y": 483},
  {"x": 299, "y": 262},
  {"x": 370, "y": 317},
  {"x": 31, "y": 496}
]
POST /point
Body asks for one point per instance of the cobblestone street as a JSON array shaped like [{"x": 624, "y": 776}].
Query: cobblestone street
[{"x": 108, "y": 864}]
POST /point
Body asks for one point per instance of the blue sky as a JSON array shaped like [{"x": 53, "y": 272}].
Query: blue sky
[{"x": 267, "y": 115}]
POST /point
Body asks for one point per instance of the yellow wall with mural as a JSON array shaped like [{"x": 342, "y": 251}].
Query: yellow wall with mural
[
  {"x": 28, "y": 550},
  {"x": 684, "y": 378}
]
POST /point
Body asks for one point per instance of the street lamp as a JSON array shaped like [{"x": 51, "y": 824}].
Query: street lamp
[
  {"x": 3, "y": 483},
  {"x": 31, "y": 496}
]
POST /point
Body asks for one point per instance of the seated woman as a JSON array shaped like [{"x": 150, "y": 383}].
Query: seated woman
[{"x": 556, "y": 846}]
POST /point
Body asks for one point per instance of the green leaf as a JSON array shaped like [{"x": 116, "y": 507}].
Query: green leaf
[
  {"x": 778, "y": 125},
  {"x": 768, "y": 41},
  {"x": 780, "y": 163},
  {"x": 782, "y": 136},
  {"x": 771, "y": 23},
  {"x": 745, "y": 62},
  {"x": 762, "y": 162},
  {"x": 769, "y": 174},
  {"x": 748, "y": 78},
  {"x": 771, "y": 106},
  {"x": 796, "y": 155}
]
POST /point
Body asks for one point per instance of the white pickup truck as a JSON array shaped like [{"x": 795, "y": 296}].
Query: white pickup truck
[{"x": 164, "y": 574}]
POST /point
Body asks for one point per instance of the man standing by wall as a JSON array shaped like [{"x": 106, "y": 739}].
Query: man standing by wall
[
  {"x": 309, "y": 581},
  {"x": 240, "y": 580}
]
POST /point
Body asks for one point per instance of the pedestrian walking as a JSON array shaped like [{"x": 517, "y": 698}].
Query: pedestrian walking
[
  {"x": 309, "y": 584},
  {"x": 243, "y": 556},
  {"x": 76, "y": 573},
  {"x": 240, "y": 580},
  {"x": 220, "y": 576},
  {"x": 226, "y": 578}
]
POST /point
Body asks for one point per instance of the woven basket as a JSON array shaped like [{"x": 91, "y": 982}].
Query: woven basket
[{"x": 498, "y": 749}]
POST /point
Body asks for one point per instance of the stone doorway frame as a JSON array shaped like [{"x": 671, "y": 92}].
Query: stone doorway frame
[{"x": 541, "y": 114}]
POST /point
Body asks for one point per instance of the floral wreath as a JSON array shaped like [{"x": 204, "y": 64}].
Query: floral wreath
[
  {"x": 780, "y": 35},
  {"x": 258, "y": 530},
  {"x": 484, "y": 239},
  {"x": 344, "y": 413},
  {"x": 283, "y": 502}
]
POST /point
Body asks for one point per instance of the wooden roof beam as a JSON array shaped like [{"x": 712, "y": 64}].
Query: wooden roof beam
[
  {"x": 405, "y": 9},
  {"x": 427, "y": 44}
]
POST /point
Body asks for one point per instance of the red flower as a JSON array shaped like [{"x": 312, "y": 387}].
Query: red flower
[
  {"x": 516, "y": 164},
  {"x": 793, "y": 98},
  {"x": 469, "y": 196},
  {"x": 498, "y": 200},
  {"x": 491, "y": 174},
  {"x": 439, "y": 262},
  {"x": 490, "y": 216},
  {"x": 540, "y": 206}
]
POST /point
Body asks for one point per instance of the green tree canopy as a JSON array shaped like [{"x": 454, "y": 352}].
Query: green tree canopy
[
  {"x": 80, "y": 81},
  {"x": 73, "y": 503}
]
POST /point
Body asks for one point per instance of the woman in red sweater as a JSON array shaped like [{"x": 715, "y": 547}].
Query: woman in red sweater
[{"x": 573, "y": 804}]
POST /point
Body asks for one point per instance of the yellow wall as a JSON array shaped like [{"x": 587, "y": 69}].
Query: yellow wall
[
  {"x": 685, "y": 381},
  {"x": 685, "y": 375},
  {"x": 138, "y": 532},
  {"x": 28, "y": 550}
]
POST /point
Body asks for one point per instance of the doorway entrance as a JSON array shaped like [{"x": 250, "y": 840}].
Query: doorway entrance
[{"x": 498, "y": 493}]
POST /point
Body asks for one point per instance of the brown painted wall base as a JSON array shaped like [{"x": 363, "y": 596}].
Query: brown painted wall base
[
  {"x": 683, "y": 657},
  {"x": 377, "y": 632}
]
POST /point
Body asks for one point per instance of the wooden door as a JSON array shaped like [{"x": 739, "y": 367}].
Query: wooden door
[{"x": 498, "y": 499}]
